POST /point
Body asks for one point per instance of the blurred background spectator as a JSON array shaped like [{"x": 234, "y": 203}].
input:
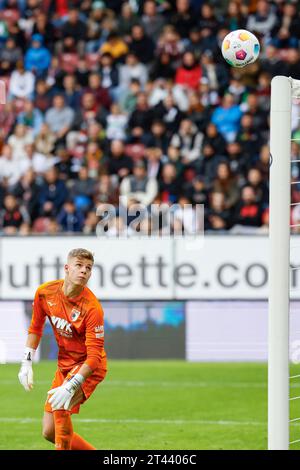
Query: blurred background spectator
[{"x": 109, "y": 97}]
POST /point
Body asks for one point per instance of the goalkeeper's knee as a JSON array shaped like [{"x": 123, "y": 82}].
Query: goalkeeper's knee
[{"x": 48, "y": 434}]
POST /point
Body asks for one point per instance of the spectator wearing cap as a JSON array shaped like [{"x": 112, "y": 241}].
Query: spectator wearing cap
[
  {"x": 59, "y": 117},
  {"x": 138, "y": 187},
  {"x": 37, "y": 58}
]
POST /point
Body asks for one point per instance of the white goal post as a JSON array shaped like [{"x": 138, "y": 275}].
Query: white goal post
[{"x": 283, "y": 89}]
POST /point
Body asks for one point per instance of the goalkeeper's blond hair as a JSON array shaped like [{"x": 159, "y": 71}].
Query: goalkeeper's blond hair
[{"x": 81, "y": 253}]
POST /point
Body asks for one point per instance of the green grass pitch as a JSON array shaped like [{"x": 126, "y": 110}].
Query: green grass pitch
[{"x": 151, "y": 405}]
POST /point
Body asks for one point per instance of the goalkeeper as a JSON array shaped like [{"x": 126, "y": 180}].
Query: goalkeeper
[{"x": 76, "y": 317}]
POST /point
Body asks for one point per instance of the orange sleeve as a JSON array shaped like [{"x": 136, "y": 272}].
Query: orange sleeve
[
  {"x": 38, "y": 316},
  {"x": 94, "y": 337}
]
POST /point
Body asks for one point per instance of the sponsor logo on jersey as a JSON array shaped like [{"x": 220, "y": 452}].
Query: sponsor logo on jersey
[
  {"x": 51, "y": 304},
  {"x": 75, "y": 314},
  {"x": 62, "y": 325},
  {"x": 99, "y": 330}
]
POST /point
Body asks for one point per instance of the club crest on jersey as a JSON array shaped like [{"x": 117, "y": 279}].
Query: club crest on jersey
[{"x": 75, "y": 314}]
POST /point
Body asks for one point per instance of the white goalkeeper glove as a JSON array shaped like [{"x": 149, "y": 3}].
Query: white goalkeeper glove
[
  {"x": 62, "y": 396},
  {"x": 26, "y": 373}
]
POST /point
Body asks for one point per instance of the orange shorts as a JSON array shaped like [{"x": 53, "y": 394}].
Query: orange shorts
[{"x": 87, "y": 387}]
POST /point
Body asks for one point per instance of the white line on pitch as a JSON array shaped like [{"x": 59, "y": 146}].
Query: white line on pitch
[
  {"x": 143, "y": 421},
  {"x": 128, "y": 383}
]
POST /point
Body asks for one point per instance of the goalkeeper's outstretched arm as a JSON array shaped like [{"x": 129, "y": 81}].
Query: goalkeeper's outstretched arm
[{"x": 26, "y": 373}]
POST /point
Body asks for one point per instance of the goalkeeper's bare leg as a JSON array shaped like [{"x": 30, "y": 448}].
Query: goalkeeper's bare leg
[{"x": 57, "y": 428}]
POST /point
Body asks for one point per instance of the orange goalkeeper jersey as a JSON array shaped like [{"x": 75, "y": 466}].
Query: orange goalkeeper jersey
[{"x": 78, "y": 325}]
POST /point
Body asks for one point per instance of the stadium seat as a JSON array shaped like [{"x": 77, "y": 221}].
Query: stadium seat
[
  {"x": 10, "y": 16},
  {"x": 6, "y": 80},
  {"x": 92, "y": 60},
  {"x": 40, "y": 225},
  {"x": 69, "y": 61},
  {"x": 135, "y": 151}
]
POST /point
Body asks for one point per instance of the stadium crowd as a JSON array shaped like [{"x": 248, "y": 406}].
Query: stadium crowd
[{"x": 133, "y": 98}]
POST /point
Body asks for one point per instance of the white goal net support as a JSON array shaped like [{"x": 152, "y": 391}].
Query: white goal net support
[{"x": 284, "y": 92}]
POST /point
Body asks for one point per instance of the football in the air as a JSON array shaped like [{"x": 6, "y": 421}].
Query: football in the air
[{"x": 240, "y": 48}]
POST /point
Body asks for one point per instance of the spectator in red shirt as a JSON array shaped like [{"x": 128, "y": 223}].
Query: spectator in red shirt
[
  {"x": 190, "y": 73},
  {"x": 249, "y": 211}
]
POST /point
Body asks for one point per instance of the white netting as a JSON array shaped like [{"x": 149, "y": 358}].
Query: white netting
[
  {"x": 295, "y": 87},
  {"x": 295, "y": 254}
]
